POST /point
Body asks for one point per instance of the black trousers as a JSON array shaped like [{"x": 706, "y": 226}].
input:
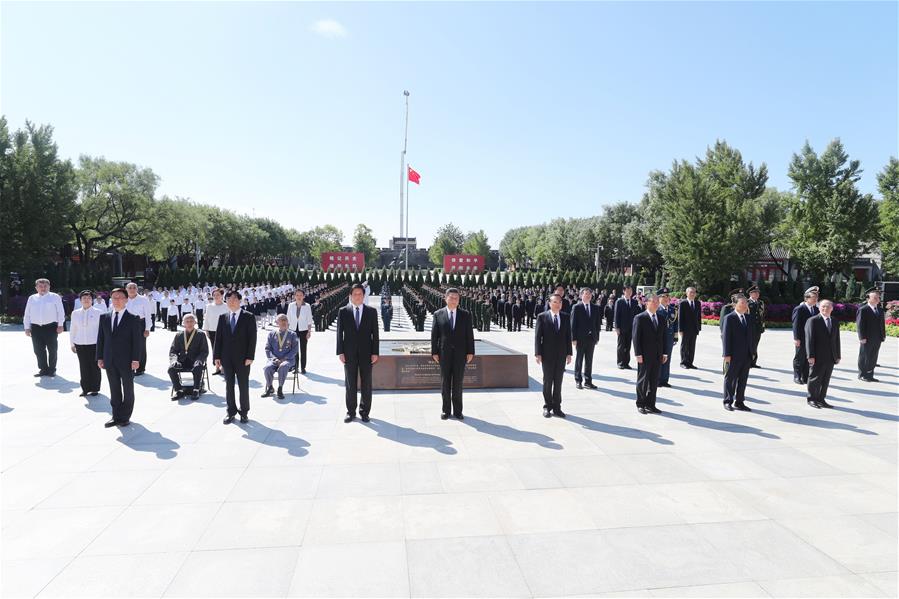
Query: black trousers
[
  {"x": 624, "y": 347},
  {"x": 199, "y": 315},
  {"x": 647, "y": 382},
  {"x": 516, "y": 324},
  {"x": 386, "y": 325},
  {"x": 211, "y": 335},
  {"x": 301, "y": 335},
  {"x": 819, "y": 380},
  {"x": 357, "y": 369},
  {"x": 143, "y": 347},
  {"x": 508, "y": 323},
  {"x": 867, "y": 358},
  {"x": 735, "y": 377},
  {"x": 173, "y": 321},
  {"x": 90, "y": 372},
  {"x": 754, "y": 337},
  {"x": 237, "y": 370},
  {"x": 44, "y": 343},
  {"x": 800, "y": 363},
  {"x": 609, "y": 325},
  {"x": 583, "y": 361},
  {"x": 687, "y": 349},
  {"x": 197, "y": 371},
  {"x": 530, "y": 320},
  {"x": 452, "y": 375},
  {"x": 553, "y": 370},
  {"x": 121, "y": 392}
]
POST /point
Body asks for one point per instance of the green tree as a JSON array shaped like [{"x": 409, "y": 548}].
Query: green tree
[
  {"x": 327, "y": 238},
  {"x": 888, "y": 207},
  {"x": 476, "y": 244},
  {"x": 449, "y": 240},
  {"x": 364, "y": 241},
  {"x": 830, "y": 221}
]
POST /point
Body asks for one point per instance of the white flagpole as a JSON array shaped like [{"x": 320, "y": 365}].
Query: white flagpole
[
  {"x": 407, "y": 219},
  {"x": 403, "y": 173}
]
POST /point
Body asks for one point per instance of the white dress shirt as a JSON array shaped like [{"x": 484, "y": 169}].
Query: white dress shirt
[
  {"x": 140, "y": 307},
  {"x": 85, "y": 326},
  {"x": 301, "y": 323},
  {"x": 44, "y": 309},
  {"x": 211, "y": 316}
]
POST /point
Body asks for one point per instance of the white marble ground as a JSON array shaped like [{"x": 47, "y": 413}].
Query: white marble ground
[{"x": 783, "y": 501}]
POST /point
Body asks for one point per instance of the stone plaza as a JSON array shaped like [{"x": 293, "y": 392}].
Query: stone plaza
[{"x": 784, "y": 501}]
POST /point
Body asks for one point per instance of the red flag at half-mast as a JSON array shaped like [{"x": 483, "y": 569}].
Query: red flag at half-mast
[{"x": 414, "y": 177}]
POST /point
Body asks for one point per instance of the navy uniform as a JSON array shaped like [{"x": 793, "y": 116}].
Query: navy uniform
[
  {"x": 801, "y": 314},
  {"x": 668, "y": 318},
  {"x": 757, "y": 322}
]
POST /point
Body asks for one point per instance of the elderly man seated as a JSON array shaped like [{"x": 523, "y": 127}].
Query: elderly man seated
[
  {"x": 281, "y": 349},
  {"x": 188, "y": 354}
]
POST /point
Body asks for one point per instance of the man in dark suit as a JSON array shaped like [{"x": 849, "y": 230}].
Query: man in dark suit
[
  {"x": 120, "y": 342},
  {"x": 801, "y": 314},
  {"x": 736, "y": 340},
  {"x": 871, "y": 327},
  {"x": 648, "y": 334},
  {"x": 234, "y": 351},
  {"x": 452, "y": 347},
  {"x": 552, "y": 348},
  {"x": 689, "y": 323},
  {"x": 584, "y": 334},
  {"x": 822, "y": 342},
  {"x": 625, "y": 309},
  {"x": 358, "y": 349}
]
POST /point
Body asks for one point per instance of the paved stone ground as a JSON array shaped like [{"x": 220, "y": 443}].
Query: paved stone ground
[{"x": 783, "y": 501}]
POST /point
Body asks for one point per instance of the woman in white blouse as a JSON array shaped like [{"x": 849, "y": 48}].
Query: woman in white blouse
[{"x": 83, "y": 338}]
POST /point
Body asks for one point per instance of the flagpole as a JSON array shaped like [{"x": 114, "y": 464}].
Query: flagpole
[
  {"x": 403, "y": 174},
  {"x": 407, "y": 220}
]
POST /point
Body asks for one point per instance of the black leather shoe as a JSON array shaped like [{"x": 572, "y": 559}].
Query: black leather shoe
[
  {"x": 742, "y": 407},
  {"x": 728, "y": 407},
  {"x": 814, "y": 404},
  {"x": 364, "y": 417},
  {"x": 642, "y": 410},
  {"x": 546, "y": 413},
  {"x": 824, "y": 404},
  {"x": 444, "y": 416},
  {"x": 93, "y": 393},
  {"x": 109, "y": 424},
  {"x": 664, "y": 384},
  {"x": 580, "y": 386},
  {"x": 797, "y": 380},
  {"x": 349, "y": 418},
  {"x": 654, "y": 410},
  {"x": 123, "y": 423},
  {"x": 459, "y": 417},
  {"x": 195, "y": 394},
  {"x": 268, "y": 392},
  {"x": 280, "y": 392},
  {"x": 244, "y": 419},
  {"x": 868, "y": 380},
  {"x": 228, "y": 420},
  {"x": 303, "y": 371},
  {"x": 559, "y": 413},
  {"x": 41, "y": 373},
  {"x": 82, "y": 394},
  {"x": 590, "y": 386}
]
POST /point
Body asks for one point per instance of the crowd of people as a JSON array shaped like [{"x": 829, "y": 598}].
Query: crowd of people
[{"x": 566, "y": 323}]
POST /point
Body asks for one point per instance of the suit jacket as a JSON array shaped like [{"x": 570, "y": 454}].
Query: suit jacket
[
  {"x": 648, "y": 340},
  {"x": 197, "y": 351},
  {"x": 549, "y": 343},
  {"x": 821, "y": 344},
  {"x": 123, "y": 346},
  {"x": 585, "y": 328},
  {"x": 624, "y": 313},
  {"x": 869, "y": 325},
  {"x": 735, "y": 338},
  {"x": 800, "y": 315},
  {"x": 239, "y": 345},
  {"x": 456, "y": 342},
  {"x": 689, "y": 320},
  {"x": 361, "y": 344}
]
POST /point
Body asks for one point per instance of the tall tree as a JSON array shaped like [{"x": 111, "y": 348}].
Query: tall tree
[
  {"x": 449, "y": 240},
  {"x": 831, "y": 221},
  {"x": 37, "y": 198},
  {"x": 364, "y": 241},
  {"x": 327, "y": 238},
  {"x": 476, "y": 244},
  {"x": 888, "y": 184}
]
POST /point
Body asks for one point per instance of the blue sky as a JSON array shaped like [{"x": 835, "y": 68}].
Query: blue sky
[{"x": 520, "y": 112}]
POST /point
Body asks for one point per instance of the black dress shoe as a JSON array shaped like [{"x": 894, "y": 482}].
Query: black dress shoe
[
  {"x": 459, "y": 417},
  {"x": 559, "y": 413},
  {"x": 123, "y": 423},
  {"x": 93, "y": 393},
  {"x": 303, "y": 371},
  {"x": 195, "y": 395},
  {"x": 228, "y": 420},
  {"x": 82, "y": 394},
  {"x": 590, "y": 386},
  {"x": 138, "y": 372},
  {"x": 642, "y": 410},
  {"x": 364, "y": 417},
  {"x": 691, "y": 367},
  {"x": 268, "y": 392},
  {"x": 728, "y": 407},
  {"x": 824, "y": 404},
  {"x": 349, "y": 418},
  {"x": 664, "y": 384},
  {"x": 41, "y": 373},
  {"x": 244, "y": 419},
  {"x": 109, "y": 424},
  {"x": 580, "y": 386},
  {"x": 51, "y": 374},
  {"x": 280, "y": 392},
  {"x": 814, "y": 404},
  {"x": 546, "y": 413},
  {"x": 872, "y": 380},
  {"x": 797, "y": 380},
  {"x": 654, "y": 410},
  {"x": 742, "y": 407},
  {"x": 444, "y": 416}
]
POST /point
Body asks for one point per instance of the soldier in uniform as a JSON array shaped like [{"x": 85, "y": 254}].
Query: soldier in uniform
[
  {"x": 801, "y": 314},
  {"x": 756, "y": 321},
  {"x": 667, "y": 314}
]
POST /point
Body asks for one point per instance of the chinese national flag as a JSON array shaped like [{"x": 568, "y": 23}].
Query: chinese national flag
[{"x": 414, "y": 177}]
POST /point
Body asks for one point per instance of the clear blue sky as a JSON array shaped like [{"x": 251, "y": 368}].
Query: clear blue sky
[{"x": 520, "y": 112}]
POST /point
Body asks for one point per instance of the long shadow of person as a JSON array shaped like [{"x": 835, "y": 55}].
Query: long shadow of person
[
  {"x": 512, "y": 434},
  {"x": 148, "y": 380},
  {"x": 58, "y": 384},
  {"x": 258, "y": 432},
  {"x": 866, "y": 413},
  {"x": 816, "y": 422},
  {"x": 410, "y": 436},
  {"x": 98, "y": 403},
  {"x": 5, "y": 409},
  {"x": 728, "y": 427},
  {"x": 320, "y": 378},
  {"x": 139, "y": 438},
  {"x": 621, "y": 431}
]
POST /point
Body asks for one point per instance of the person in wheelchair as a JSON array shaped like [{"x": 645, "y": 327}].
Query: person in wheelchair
[
  {"x": 281, "y": 348},
  {"x": 188, "y": 354}
]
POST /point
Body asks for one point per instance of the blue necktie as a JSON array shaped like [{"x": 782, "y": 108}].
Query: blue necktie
[
  {"x": 115, "y": 323},
  {"x": 452, "y": 321},
  {"x": 556, "y": 322},
  {"x": 233, "y": 322},
  {"x": 358, "y": 319}
]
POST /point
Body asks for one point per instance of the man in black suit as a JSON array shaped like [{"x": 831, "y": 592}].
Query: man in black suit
[
  {"x": 689, "y": 323},
  {"x": 801, "y": 314},
  {"x": 552, "y": 348},
  {"x": 358, "y": 349},
  {"x": 625, "y": 309},
  {"x": 736, "y": 340},
  {"x": 648, "y": 334},
  {"x": 871, "y": 327},
  {"x": 120, "y": 342},
  {"x": 585, "y": 334},
  {"x": 822, "y": 342},
  {"x": 452, "y": 347},
  {"x": 233, "y": 352}
]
